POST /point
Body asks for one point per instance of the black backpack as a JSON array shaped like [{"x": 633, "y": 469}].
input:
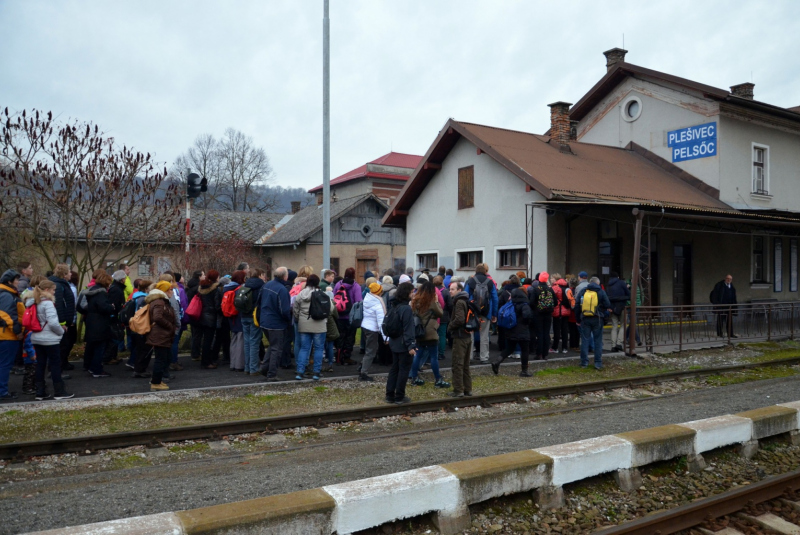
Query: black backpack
[
  {"x": 481, "y": 295},
  {"x": 392, "y": 323},
  {"x": 243, "y": 301},
  {"x": 320, "y": 306},
  {"x": 128, "y": 311}
]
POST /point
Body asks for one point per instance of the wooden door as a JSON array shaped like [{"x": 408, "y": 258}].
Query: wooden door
[
  {"x": 362, "y": 266},
  {"x": 682, "y": 274}
]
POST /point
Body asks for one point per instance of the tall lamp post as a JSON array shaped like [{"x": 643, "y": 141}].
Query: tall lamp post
[
  {"x": 195, "y": 185},
  {"x": 326, "y": 140}
]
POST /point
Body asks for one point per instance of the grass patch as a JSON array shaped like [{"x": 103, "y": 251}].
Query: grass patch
[
  {"x": 320, "y": 388},
  {"x": 755, "y": 374},
  {"x": 128, "y": 461}
]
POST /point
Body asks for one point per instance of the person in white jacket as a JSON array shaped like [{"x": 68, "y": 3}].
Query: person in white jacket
[
  {"x": 374, "y": 311},
  {"x": 47, "y": 341}
]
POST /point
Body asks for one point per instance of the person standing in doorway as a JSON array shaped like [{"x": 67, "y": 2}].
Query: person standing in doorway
[{"x": 724, "y": 296}]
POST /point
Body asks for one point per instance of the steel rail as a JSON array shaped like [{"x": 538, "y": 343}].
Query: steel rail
[
  {"x": 692, "y": 514},
  {"x": 154, "y": 437}
]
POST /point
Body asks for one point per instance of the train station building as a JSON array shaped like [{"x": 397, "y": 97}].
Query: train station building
[{"x": 647, "y": 174}]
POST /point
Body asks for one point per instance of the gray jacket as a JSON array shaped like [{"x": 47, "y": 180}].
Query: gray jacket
[
  {"x": 52, "y": 331},
  {"x": 305, "y": 324}
]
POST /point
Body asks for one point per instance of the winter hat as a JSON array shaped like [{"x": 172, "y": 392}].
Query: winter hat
[
  {"x": 387, "y": 279},
  {"x": 368, "y": 274},
  {"x": 404, "y": 278},
  {"x": 544, "y": 276},
  {"x": 583, "y": 275},
  {"x": 291, "y": 276},
  {"x": 424, "y": 277},
  {"x": 164, "y": 286},
  {"x": 119, "y": 275},
  {"x": 8, "y": 276},
  {"x": 212, "y": 275},
  {"x": 375, "y": 288}
]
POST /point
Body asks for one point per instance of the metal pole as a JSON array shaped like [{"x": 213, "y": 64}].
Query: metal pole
[
  {"x": 637, "y": 252},
  {"x": 188, "y": 229},
  {"x": 326, "y": 140}
]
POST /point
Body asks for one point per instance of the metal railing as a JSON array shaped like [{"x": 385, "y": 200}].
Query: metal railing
[{"x": 682, "y": 326}]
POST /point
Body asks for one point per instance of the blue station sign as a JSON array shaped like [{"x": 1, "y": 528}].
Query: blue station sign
[{"x": 693, "y": 142}]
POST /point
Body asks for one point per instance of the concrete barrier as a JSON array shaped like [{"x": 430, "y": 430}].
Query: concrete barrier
[{"x": 447, "y": 490}]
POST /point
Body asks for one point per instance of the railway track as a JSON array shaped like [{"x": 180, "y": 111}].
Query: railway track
[
  {"x": 769, "y": 506},
  {"x": 19, "y": 451}
]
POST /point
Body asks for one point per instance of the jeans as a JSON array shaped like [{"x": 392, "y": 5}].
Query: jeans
[
  {"x": 442, "y": 339},
  {"x": 297, "y": 343},
  {"x": 48, "y": 356},
  {"x": 275, "y": 337},
  {"x": 306, "y": 341},
  {"x": 28, "y": 351},
  {"x": 426, "y": 352},
  {"x": 94, "y": 355},
  {"x": 161, "y": 364},
  {"x": 330, "y": 352},
  {"x": 174, "y": 355},
  {"x": 398, "y": 375},
  {"x": 592, "y": 328},
  {"x": 252, "y": 337},
  {"x": 8, "y": 352}
]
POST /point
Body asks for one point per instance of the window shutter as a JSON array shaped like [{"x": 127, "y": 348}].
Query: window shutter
[{"x": 466, "y": 187}]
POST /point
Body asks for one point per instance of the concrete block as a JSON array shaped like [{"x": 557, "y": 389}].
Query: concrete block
[
  {"x": 793, "y": 405},
  {"x": 363, "y": 504},
  {"x": 712, "y": 433},
  {"x": 695, "y": 462},
  {"x": 659, "y": 443},
  {"x": 158, "y": 524},
  {"x": 771, "y": 421},
  {"x": 219, "y": 445},
  {"x": 549, "y": 497},
  {"x": 296, "y": 513},
  {"x": 500, "y": 475},
  {"x": 574, "y": 461},
  {"x": 452, "y": 522},
  {"x": 628, "y": 479},
  {"x": 795, "y": 438},
  {"x": 748, "y": 449}
]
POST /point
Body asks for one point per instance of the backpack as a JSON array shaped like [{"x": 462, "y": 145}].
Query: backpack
[
  {"x": 320, "y": 306},
  {"x": 229, "y": 309},
  {"x": 140, "y": 322},
  {"x": 356, "y": 314},
  {"x": 480, "y": 296},
  {"x": 392, "y": 323},
  {"x": 30, "y": 320},
  {"x": 473, "y": 322},
  {"x": 244, "y": 300},
  {"x": 419, "y": 327},
  {"x": 589, "y": 303},
  {"x": 507, "y": 316},
  {"x": 195, "y": 308},
  {"x": 547, "y": 300},
  {"x": 565, "y": 298},
  {"x": 128, "y": 311},
  {"x": 82, "y": 304},
  {"x": 342, "y": 301}
]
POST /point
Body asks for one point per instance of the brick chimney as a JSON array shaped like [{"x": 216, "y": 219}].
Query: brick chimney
[
  {"x": 614, "y": 56},
  {"x": 560, "y": 123},
  {"x": 744, "y": 90},
  {"x": 295, "y": 206},
  {"x": 319, "y": 198}
]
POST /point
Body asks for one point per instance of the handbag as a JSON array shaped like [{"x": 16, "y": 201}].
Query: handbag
[{"x": 195, "y": 308}]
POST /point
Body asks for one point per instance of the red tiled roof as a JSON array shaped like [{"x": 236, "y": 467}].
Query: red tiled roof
[{"x": 393, "y": 159}]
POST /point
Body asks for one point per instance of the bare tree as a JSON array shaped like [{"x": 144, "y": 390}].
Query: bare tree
[
  {"x": 75, "y": 194},
  {"x": 203, "y": 158}
]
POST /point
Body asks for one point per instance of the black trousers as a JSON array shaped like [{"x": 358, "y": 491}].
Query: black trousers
[
  {"x": 398, "y": 375},
  {"x": 66, "y": 344},
  {"x": 144, "y": 353},
  {"x": 722, "y": 325},
  {"x": 209, "y": 355},
  {"x": 561, "y": 332},
  {"x": 574, "y": 336},
  {"x": 197, "y": 341},
  {"x": 161, "y": 363},
  {"x": 347, "y": 338},
  {"x": 543, "y": 322},
  {"x": 525, "y": 351},
  {"x": 286, "y": 351}
]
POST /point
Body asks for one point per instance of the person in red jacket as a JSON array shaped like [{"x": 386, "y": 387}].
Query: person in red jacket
[{"x": 561, "y": 314}]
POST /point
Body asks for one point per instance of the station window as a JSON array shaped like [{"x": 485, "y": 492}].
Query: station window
[
  {"x": 760, "y": 170},
  {"x": 512, "y": 259},
  {"x": 430, "y": 261},
  {"x": 469, "y": 259},
  {"x": 759, "y": 273}
]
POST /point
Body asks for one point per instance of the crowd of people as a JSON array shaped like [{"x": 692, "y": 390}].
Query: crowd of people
[{"x": 259, "y": 321}]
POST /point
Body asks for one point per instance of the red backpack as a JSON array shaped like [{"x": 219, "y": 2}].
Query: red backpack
[
  {"x": 228, "y": 307},
  {"x": 30, "y": 320}
]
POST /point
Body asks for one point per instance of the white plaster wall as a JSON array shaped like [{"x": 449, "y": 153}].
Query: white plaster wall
[
  {"x": 663, "y": 109},
  {"x": 435, "y": 224},
  {"x": 736, "y": 165}
]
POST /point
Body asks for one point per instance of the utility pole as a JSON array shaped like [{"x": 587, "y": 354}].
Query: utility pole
[{"x": 326, "y": 139}]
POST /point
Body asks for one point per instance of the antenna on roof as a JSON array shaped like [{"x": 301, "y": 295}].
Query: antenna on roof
[{"x": 623, "y": 41}]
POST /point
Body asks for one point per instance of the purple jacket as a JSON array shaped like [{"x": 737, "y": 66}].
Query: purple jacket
[
  {"x": 353, "y": 292},
  {"x": 184, "y": 305}
]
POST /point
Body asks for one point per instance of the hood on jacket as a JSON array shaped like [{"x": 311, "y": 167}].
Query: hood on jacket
[
  {"x": 205, "y": 290},
  {"x": 8, "y": 277},
  {"x": 305, "y": 294},
  {"x": 388, "y": 287},
  {"x": 254, "y": 282},
  {"x": 594, "y": 286},
  {"x": 155, "y": 294},
  {"x": 94, "y": 290},
  {"x": 461, "y": 295},
  {"x": 613, "y": 281},
  {"x": 230, "y": 286}
]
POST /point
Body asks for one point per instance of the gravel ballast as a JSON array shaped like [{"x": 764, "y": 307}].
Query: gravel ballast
[{"x": 137, "y": 491}]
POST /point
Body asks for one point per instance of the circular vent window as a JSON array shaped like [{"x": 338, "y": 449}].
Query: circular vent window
[
  {"x": 366, "y": 231},
  {"x": 632, "y": 109}
]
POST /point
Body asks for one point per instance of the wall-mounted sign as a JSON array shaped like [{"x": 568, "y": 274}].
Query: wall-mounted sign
[{"x": 693, "y": 142}]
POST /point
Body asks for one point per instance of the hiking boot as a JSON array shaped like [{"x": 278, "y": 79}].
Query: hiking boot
[
  {"x": 365, "y": 377},
  {"x": 61, "y": 393},
  {"x": 403, "y": 401},
  {"x": 175, "y": 367},
  {"x": 441, "y": 383},
  {"x": 389, "y": 400},
  {"x": 417, "y": 382},
  {"x": 11, "y": 396},
  {"x": 349, "y": 362},
  {"x": 468, "y": 394},
  {"x": 525, "y": 373},
  {"x": 157, "y": 387}
]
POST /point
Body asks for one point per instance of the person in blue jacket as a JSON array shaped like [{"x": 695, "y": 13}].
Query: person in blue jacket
[
  {"x": 275, "y": 317},
  {"x": 592, "y": 326},
  {"x": 482, "y": 278}
]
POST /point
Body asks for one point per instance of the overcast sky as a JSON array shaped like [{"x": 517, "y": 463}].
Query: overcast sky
[{"x": 156, "y": 74}]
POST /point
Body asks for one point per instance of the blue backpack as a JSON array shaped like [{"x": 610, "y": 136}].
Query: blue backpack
[{"x": 507, "y": 316}]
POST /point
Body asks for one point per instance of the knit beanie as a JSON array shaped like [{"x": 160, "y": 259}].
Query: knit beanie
[
  {"x": 404, "y": 278},
  {"x": 119, "y": 275},
  {"x": 376, "y": 288},
  {"x": 164, "y": 286},
  {"x": 544, "y": 276}
]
